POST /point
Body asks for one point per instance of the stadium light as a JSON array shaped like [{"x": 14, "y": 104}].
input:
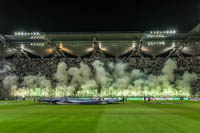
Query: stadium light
[
  {"x": 163, "y": 32},
  {"x": 27, "y": 33}
]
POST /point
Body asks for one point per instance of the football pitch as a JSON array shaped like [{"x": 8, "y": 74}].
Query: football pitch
[{"x": 131, "y": 117}]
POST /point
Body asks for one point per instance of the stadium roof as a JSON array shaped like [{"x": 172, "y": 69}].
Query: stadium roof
[{"x": 153, "y": 43}]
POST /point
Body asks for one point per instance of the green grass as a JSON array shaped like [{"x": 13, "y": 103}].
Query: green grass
[{"x": 133, "y": 117}]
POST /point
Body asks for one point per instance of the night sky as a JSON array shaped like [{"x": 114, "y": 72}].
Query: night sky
[{"x": 138, "y": 15}]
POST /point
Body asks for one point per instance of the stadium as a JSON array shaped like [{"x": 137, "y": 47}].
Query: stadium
[
  {"x": 118, "y": 70},
  {"x": 100, "y": 64}
]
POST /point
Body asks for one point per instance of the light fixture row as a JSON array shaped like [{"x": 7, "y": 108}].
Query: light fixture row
[
  {"x": 156, "y": 43},
  {"x": 26, "y": 33},
  {"x": 164, "y": 32}
]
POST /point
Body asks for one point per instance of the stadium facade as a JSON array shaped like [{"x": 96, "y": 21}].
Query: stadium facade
[{"x": 151, "y": 43}]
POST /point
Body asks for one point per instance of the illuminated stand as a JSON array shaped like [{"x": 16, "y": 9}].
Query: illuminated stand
[
  {"x": 137, "y": 50},
  {"x": 20, "y": 53},
  {"x": 177, "y": 50},
  {"x": 153, "y": 39},
  {"x": 58, "y": 52},
  {"x": 35, "y": 38},
  {"x": 97, "y": 52}
]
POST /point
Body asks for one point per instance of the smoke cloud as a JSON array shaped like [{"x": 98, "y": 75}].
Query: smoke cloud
[{"x": 102, "y": 79}]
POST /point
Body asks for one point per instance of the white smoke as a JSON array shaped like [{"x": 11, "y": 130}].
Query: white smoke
[
  {"x": 105, "y": 79},
  {"x": 136, "y": 74},
  {"x": 30, "y": 82},
  {"x": 43, "y": 82},
  {"x": 121, "y": 77},
  {"x": 168, "y": 70},
  {"x": 79, "y": 75},
  {"x": 102, "y": 77},
  {"x": 185, "y": 83},
  {"x": 61, "y": 74},
  {"x": 10, "y": 84},
  {"x": 90, "y": 87},
  {"x": 6, "y": 68}
]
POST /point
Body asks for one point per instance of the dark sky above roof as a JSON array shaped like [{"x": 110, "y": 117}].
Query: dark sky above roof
[{"x": 138, "y": 15}]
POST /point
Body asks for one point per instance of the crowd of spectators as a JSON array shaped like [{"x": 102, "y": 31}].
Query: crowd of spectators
[{"x": 47, "y": 66}]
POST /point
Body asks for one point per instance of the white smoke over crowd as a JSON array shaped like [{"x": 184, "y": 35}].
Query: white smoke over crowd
[
  {"x": 99, "y": 79},
  {"x": 6, "y": 68}
]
